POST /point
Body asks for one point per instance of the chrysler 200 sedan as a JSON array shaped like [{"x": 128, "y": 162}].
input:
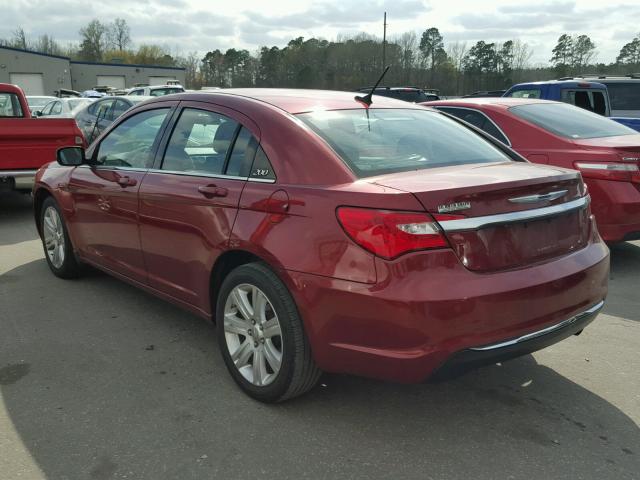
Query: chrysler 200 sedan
[{"x": 391, "y": 242}]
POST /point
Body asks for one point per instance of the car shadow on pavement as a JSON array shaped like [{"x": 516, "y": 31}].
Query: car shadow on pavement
[
  {"x": 16, "y": 209},
  {"x": 106, "y": 381},
  {"x": 624, "y": 287}
]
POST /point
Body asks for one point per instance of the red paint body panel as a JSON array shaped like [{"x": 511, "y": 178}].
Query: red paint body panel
[
  {"x": 28, "y": 143},
  {"x": 616, "y": 204},
  {"x": 393, "y": 319}
]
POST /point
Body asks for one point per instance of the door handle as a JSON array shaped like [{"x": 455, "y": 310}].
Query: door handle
[
  {"x": 211, "y": 191},
  {"x": 127, "y": 181}
]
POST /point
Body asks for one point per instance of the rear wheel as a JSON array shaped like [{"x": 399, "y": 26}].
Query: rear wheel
[
  {"x": 261, "y": 336},
  {"x": 58, "y": 250}
]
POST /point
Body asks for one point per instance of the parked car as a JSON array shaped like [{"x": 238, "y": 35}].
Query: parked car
[
  {"x": 406, "y": 94},
  {"x": 37, "y": 102},
  {"x": 624, "y": 93},
  {"x": 95, "y": 117},
  {"x": 27, "y": 143},
  {"x": 156, "y": 90},
  {"x": 606, "y": 153},
  {"x": 67, "y": 107},
  {"x": 392, "y": 241}
]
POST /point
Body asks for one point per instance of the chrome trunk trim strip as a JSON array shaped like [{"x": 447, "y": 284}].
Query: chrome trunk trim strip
[{"x": 476, "y": 223}]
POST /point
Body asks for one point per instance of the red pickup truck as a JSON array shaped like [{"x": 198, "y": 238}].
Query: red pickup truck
[{"x": 27, "y": 143}]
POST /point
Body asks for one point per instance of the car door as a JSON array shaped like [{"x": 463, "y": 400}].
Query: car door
[
  {"x": 105, "y": 193},
  {"x": 189, "y": 201}
]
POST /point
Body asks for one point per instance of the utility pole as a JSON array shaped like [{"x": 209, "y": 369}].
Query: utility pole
[{"x": 384, "y": 41}]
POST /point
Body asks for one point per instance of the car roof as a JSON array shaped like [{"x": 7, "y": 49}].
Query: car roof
[
  {"x": 497, "y": 102},
  {"x": 293, "y": 100},
  {"x": 566, "y": 82}
]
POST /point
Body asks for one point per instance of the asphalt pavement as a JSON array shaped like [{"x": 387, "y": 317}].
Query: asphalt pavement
[{"x": 99, "y": 380}]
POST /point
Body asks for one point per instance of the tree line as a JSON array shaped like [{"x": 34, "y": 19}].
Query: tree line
[{"x": 348, "y": 62}]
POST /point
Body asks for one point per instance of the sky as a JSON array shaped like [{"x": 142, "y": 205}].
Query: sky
[{"x": 201, "y": 25}]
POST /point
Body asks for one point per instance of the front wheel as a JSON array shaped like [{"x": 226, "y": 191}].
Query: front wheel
[
  {"x": 55, "y": 239},
  {"x": 261, "y": 335}
]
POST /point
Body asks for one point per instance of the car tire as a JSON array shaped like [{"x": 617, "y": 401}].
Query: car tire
[
  {"x": 253, "y": 339},
  {"x": 58, "y": 250}
]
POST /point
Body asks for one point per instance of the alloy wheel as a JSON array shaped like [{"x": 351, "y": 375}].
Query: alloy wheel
[
  {"x": 53, "y": 233},
  {"x": 253, "y": 334}
]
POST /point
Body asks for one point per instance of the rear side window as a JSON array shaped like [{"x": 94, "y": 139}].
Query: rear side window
[
  {"x": 262, "y": 168},
  {"x": 200, "y": 142},
  {"x": 241, "y": 155},
  {"x": 380, "y": 141},
  {"x": 10, "y": 105},
  {"x": 130, "y": 144},
  {"x": 477, "y": 119},
  {"x": 531, "y": 93},
  {"x": 624, "y": 96}
]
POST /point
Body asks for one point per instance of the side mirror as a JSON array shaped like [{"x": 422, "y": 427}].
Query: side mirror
[
  {"x": 37, "y": 113},
  {"x": 71, "y": 156}
]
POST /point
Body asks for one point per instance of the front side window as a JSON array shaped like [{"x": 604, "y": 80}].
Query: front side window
[
  {"x": 10, "y": 105},
  {"x": 200, "y": 142},
  {"x": 56, "y": 109},
  {"x": 47, "y": 109},
  {"x": 380, "y": 141},
  {"x": 569, "y": 121},
  {"x": 130, "y": 144},
  {"x": 530, "y": 93}
]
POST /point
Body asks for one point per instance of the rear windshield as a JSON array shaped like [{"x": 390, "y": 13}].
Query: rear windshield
[
  {"x": 396, "y": 140},
  {"x": 569, "y": 121},
  {"x": 624, "y": 96},
  {"x": 10, "y": 105}
]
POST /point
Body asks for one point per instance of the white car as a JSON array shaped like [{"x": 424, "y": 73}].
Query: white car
[
  {"x": 156, "y": 90},
  {"x": 64, "y": 107},
  {"x": 37, "y": 102}
]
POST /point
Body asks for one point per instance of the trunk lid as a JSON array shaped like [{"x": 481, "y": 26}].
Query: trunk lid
[
  {"x": 626, "y": 146},
  {"x": 484, "y": 193}
]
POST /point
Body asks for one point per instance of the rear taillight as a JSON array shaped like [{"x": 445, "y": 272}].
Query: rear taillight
[
  {"x": 621, "y": 172},
  {"x": 389, "y": 234}
]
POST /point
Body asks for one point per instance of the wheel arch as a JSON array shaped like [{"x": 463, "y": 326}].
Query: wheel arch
[
  {"x": 227, "y": 262},
  {"x": 39, "y": 196}
]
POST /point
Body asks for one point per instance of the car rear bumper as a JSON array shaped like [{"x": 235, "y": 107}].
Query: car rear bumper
[
  {"x": 426, "y": 308},
  {"x": 18, "y": 179},
  {"x": 474, "y": 357}
]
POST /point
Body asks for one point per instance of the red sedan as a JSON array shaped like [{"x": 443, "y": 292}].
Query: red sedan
[
  {"x": 322, "y": 235},
  {"x": 605, "y": 152}
]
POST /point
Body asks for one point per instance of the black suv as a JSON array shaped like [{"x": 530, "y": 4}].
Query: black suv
[{"x": 407, "y": 94}]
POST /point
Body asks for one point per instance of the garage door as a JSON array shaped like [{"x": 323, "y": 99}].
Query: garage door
[
  {"x": 115, "y": 81},
  {"x": 31, "y": 83},
  {"x": 160, "y": 80}
]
